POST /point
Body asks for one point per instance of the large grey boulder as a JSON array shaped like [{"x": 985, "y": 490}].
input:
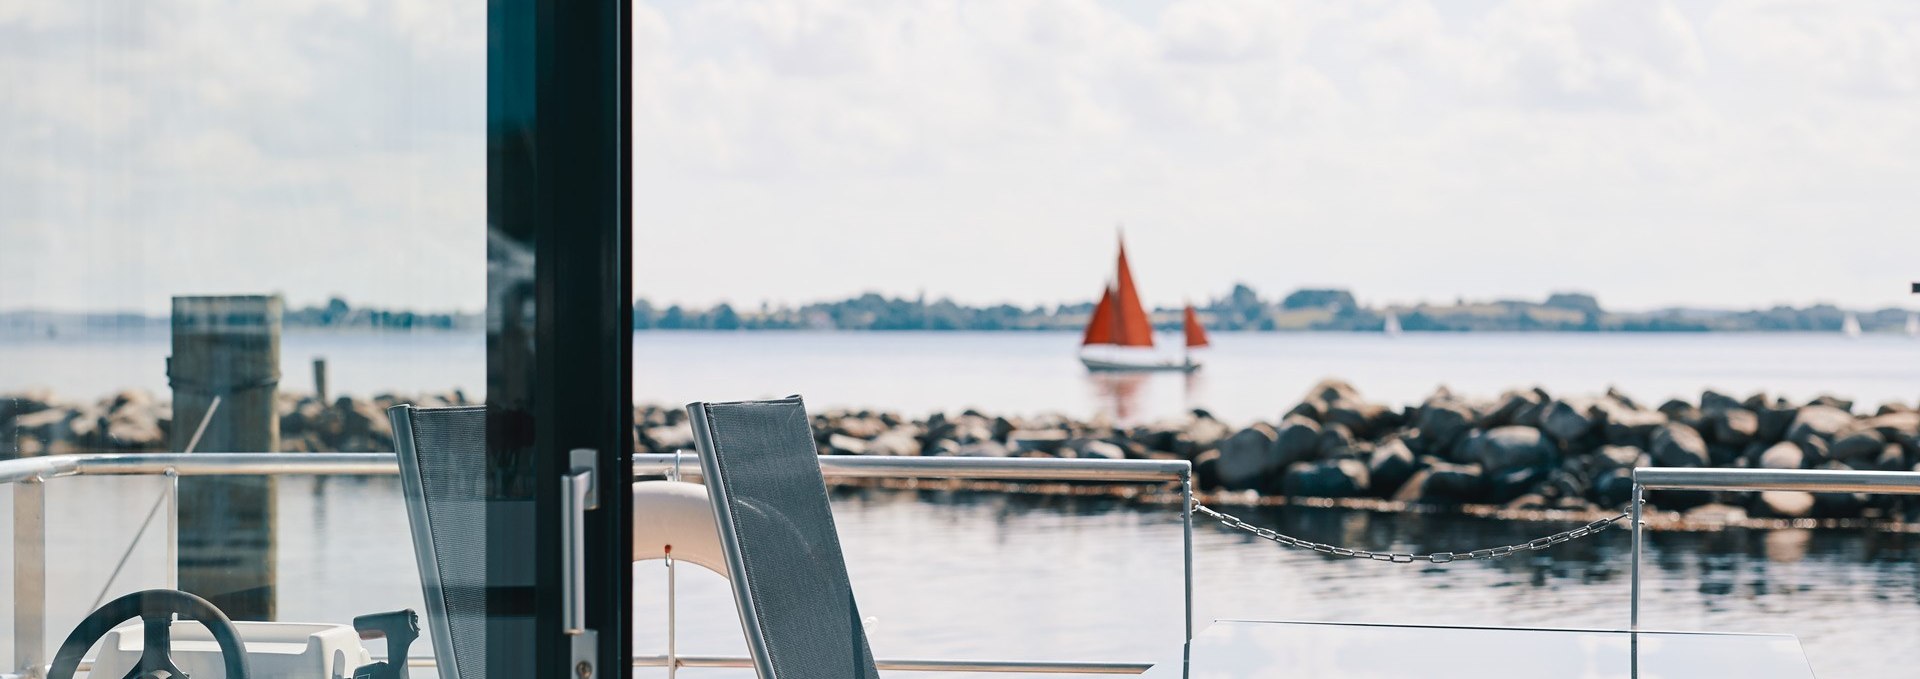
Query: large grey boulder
[
  {"x": 1859, "y": 448},
  {"x": 1296, "y": 440},
  {"x": 1504, "y": 449},
  {"x": 1678, "y": 445},
  {"x": 1821, "y": 422},
  {"x": 1783, "y": 455},
  {"x": 1248, "y": 460},
  {"x": 1567, "y": 422},
  {"x": 1442, "y": 424},
  {"x": 1389, "y": 466}
]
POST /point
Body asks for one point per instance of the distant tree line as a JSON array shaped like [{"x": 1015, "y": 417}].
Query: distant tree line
[
  {"x": 338, "y": 314},
  {"x": 1243, "y": 308}
]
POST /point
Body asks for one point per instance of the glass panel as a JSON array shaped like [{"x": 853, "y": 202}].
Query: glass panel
[{"x": 234, "y": 227}]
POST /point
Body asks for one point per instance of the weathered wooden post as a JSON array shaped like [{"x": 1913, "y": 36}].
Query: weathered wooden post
[{"x": 227, "y": 348}]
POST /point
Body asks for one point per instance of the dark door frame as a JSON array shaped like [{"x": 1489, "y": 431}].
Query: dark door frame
[{"x": 559, "y": 326}]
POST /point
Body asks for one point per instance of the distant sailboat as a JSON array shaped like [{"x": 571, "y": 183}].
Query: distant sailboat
[
  {"x": 1392, "y": 327},
  {"x": 1851, "y": 326},
  {"x": 1913, "y": 324},
  {"x": 1119, "y": 336}
]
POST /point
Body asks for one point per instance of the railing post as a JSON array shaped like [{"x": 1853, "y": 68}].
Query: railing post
[
  {"x": 1186, "y": 527},
  {"x": 30, "y": 577},
  {"x": 1633, "y": 604}
]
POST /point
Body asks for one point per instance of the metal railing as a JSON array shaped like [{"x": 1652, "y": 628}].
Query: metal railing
[
  {"x": 1807, "y": 480},
  {"x": 29, "y": 476}
]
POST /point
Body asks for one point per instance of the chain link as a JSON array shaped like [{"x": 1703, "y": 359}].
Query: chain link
[{"x": 1234, "y": 522}]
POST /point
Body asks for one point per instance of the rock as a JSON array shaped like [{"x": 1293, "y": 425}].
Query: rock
[
  {"x": 1335, "y": 442},
  {"x": 984, "y": 448},
  {"x": 1327, "y": 478},
  {"x": 1047, "y": 441},
  {"x": 1821, "y": 422},
  {"x": 1442, "y": 425},
  {"x": 1453, "y": 483},
  {"x": 1831, "y": 401},
  {"x": 1683, "y": 412},
  {"x": 1622, "y": 456},
  {"x": 842, "y": 444},
  {"x": 1509, "y": 408},
  {"x": 1774, "y": 420},
  {"x": 1613, "y": 487},
  {"x": 1783, "y": 455},
  {"x": 1365, "y": 420},
  {"x": 1094, "y": 448},
  {"x": 1296, "y": 440},
  {"x": 1860, "y": 449},
  {"x": 1677, "y": 445},
  {"x": 1248, "y": 460},
  {"x": 1504, "y": 486},
  {"x": 899, "y": 441},
  {"x": 1734, "y": 426},
  {"x": 1206, "y": 432},
  {"x": 1902, "y": 426},
  {"x": 1566, "y": 422},
  {"x": 1389, "y": 466},
  {"x": 1893, "y": 458},
  {"x": 1712, "y": 401},
  {"x": 1633, "y": 427},
  {"x": 1505, "y": 449},
  {"x": 1785, "y": 504}
]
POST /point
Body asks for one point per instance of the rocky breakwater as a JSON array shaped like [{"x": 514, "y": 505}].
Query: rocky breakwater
[
  {"x": 1525, "y": 449},
  {"x": 39, "y": 423}
]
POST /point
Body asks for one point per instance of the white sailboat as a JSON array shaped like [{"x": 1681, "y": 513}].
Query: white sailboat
[
  {"x": 1392, "y": 326},
  {"x": 1913, "y": 324},
  {"x": 1851, "y": 326}
]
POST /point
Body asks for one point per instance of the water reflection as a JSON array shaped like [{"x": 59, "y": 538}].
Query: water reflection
[{"x": 1129, "y": 398}]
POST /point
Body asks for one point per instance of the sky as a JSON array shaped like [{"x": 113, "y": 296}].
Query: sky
[{"x": 1731, "y": 153}]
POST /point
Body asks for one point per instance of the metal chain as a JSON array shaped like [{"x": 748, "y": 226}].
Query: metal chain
[{"x": 1234, "y": 522}]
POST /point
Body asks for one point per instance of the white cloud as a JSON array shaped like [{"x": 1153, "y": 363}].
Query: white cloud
[{"x": 1654, "y": 152}]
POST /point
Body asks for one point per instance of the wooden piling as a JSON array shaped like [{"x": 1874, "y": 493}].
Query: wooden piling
[{"x": 227, "y": 347}]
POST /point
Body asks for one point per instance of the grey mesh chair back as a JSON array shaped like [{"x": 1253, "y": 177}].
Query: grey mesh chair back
[
  {"x": 443, "y": 477},
  {"x": 770, "y": 505}
]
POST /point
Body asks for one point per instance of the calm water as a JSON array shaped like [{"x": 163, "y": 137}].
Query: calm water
[
  {"x": 1247, "y": 376},
  {"x": 951, "y": 575}
]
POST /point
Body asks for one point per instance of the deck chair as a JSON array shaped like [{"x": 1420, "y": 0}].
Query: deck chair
[
  {"x": 443, "y": 477},
  {"x": 770, "y": 506}
]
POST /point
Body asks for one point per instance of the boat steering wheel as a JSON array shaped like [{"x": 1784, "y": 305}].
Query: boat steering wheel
[{"x": 156, "y": 607}]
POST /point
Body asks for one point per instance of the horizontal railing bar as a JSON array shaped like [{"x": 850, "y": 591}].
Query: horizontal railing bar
[
  {"x": 1809, "y": 480},
  {"x": 714, "y": 661},
  {"x": 1003, "y": 666},
  {"x": 977, "y": 468},
  {"x": 371, "y": 464}
]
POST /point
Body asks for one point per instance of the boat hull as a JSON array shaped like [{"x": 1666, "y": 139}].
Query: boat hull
[{"x": 1128, "y": 364}]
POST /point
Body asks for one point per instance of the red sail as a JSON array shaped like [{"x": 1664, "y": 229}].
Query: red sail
[
  {"x": 1134, "y": 328},
  {"x": 1103, "y": 326},
  {"x": 1196, "y": 335}
]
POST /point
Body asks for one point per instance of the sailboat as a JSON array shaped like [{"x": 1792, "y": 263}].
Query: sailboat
[
  {"x": 1119, "y": 336},
  {"x": 1913, "y": 324},
  {"x": 1851, "y": 326},
  {"x": 1392, "y": 326}
]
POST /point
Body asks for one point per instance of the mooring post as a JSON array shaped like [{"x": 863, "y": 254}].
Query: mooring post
[
  {"x": 229, "y": 348},
  {"x": 320, "y": 378}
]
